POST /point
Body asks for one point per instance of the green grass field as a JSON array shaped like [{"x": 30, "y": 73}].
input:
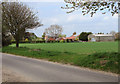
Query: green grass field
[
  {"x": 96, "y": 55},
  {"x": 79, "y": 48}
]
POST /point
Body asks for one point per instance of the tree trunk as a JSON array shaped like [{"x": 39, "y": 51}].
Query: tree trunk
[{"x": 17, "y": 44}]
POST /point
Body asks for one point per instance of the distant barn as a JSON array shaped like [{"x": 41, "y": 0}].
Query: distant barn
[{"x": 100, "y": 37}]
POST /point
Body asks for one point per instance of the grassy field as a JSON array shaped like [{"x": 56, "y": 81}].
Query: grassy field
[
  {"x": 96, "y": 55},
  {"x": 79, "y": 48}
]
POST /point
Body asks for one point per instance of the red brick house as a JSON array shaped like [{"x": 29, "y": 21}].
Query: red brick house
[
  {"x": 51, "y": 39},
  {"x": 73, "y": 38}
]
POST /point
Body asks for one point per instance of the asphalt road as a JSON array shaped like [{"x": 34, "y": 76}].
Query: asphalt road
[{"x": 44, "y": 71}]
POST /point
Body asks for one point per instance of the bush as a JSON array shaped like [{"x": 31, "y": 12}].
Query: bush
[
  {"x": 6, "y": 40},
  {"x": 61, "y": 41},
  {"x": 84, "y": 36},
  {"x": 26, "y": 40},
  {"x": 70, "y": 40}
]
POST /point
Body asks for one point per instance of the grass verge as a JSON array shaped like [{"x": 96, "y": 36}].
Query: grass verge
[{"x": 106, "y": 61}]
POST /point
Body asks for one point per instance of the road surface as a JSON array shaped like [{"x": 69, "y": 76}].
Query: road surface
[{"x": 44, "y": 71}]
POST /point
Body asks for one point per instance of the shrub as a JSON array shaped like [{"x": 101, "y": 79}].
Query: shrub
[
  {"x": 26, "y": 40},
  {"x": 6, "y": 40},
  {"x": 61, "y": 41},
  {"x": 70, "y": 40},
  {"x": 84, "y": 36}
]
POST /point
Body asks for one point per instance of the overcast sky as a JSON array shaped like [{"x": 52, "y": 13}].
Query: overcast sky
[{"x": 50, "y": 13}]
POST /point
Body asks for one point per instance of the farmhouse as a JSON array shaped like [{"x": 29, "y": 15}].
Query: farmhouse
[
  {"x": 50, "y": 38},
  {"x": 100, "y": 37},
  {"x": 73, "y": 38},
  {"x": 60, "y": 38}
]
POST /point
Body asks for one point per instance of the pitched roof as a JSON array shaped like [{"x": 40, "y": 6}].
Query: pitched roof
[
  {"x": 102, "y": 34},
  {"x": 72, "y": 37},
  {"x": 51, "y": 39}
]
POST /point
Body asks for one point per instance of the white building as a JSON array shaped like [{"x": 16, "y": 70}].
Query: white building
[{"x": 100, "y": 37}]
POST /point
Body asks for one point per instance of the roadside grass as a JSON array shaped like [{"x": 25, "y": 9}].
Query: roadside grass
[
  {"x": 101, "y": 60},
  {"x": 107, "y": 61},
  {"x": 63, "y": 57}
]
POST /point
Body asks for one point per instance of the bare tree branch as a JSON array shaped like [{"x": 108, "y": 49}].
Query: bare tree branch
[{"x": 91, "y": 7}]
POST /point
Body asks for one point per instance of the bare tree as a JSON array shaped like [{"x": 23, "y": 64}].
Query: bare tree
[
  {"x": 54, "y": 31},
  {"x": 113, "y": 33},
  {"x": 91, "y": 7},
  {"x": 17, "y": 18}
]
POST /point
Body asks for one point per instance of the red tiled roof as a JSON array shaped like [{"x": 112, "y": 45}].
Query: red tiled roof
[
  {"x": 51, "y": 39},
  {"x": 72, "y": 37},
  {"x": 62, "y": 39}
]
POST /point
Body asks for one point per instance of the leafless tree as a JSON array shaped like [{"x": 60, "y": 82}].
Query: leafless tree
[
  {"x": 54, "y": 31},
  {"x": 17, "y": 18},
  {"x": 113, "y": 32}
]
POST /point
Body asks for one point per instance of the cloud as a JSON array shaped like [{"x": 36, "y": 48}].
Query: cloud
[
  {"x": 64, "y": 19},
  {"x": 115, "y": 16},
  {"x": 77, "y": 17},
  {"x": 106, "y": 18},
  {"x": 111, "y": 17}
]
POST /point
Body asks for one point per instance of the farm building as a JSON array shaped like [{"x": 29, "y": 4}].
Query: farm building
[
  {"x": 73, "y": 38},
  {"x": 60, "y": 38},
  {"x": 100, "y": 37},
  {"x": 50, "y": 38}
]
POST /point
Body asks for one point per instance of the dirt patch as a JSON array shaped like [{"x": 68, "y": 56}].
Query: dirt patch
[
  {"x": 103, "y": 62},
  {"x": 34, "y": 50},
  {"x": 10, "y": 76}
]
